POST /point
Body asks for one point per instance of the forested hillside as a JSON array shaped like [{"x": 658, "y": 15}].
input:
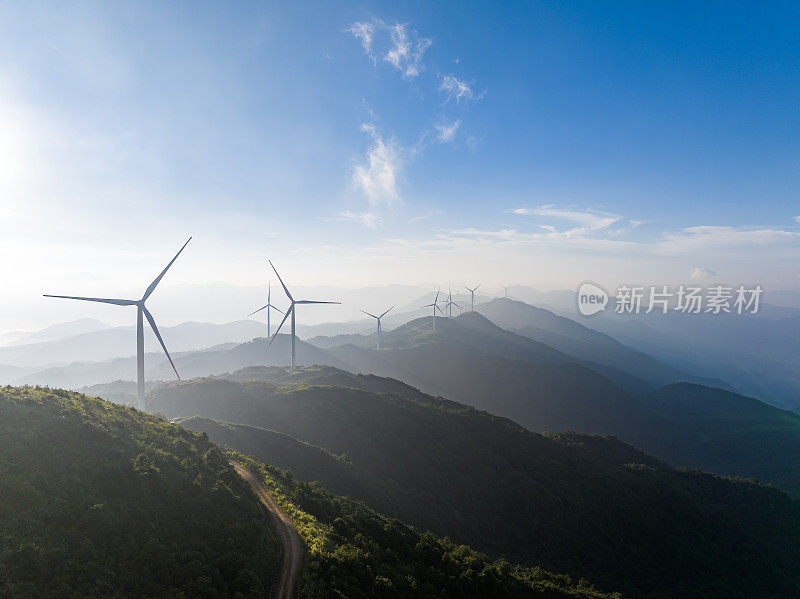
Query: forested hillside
[
  {"x": 355, "y": 552},
  {"x": 590, "y": 506},
  {"x": 733, "y": 434},
  {"x": 99, "y": 500}
]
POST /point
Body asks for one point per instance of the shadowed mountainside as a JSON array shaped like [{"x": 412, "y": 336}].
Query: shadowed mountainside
[{"x": 590, "y": 506}]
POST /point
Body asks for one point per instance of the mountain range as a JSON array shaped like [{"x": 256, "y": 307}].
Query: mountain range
[{"x": 588, "y": 505}]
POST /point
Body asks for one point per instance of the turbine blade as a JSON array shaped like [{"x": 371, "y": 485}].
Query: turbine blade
[
  {"x": 275, "y": 308},
  {"x": 289, "y": 295},
  {"x": 102, "y": 300},
  {"x": 314, "y": 302},
  {"x": 387, "y": 311},
  {"x": 440, "y": 310},
  {"x": 259, "y": 310},
  {"x": 289, "y": 311},
  {"x": 368, "y": 314},
  {"x": 153, "y": 326},
  {"x": 157, "y": 280}
]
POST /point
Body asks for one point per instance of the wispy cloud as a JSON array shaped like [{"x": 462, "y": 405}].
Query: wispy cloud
[
  {"x": 427, "y": 215},
  {"x": 701, "y": 273},
  {"x": 406, "y": 52},
  {"x": 456, "y": 88},
  {"x": 368, "y": 219},
  {"x": 365, "y": 32},
  {"x": 797, "y": 218},
  {"x": 377, "y": 176},
  {"x": 447, "y": 133},
  {"x": 723, "y": 239},
  {"x": 587, "y": 221}
]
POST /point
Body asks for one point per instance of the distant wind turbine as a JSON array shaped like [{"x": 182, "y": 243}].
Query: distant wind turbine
[
  {"x": 267, "y": 308},
  {"x": 141, "y": 311},
  {"x": 291, "y": 311},
  {"x": 378, "y": 318},
  {"x": 507, "y": 288},
  {"x": 450, "y": 303},
  {"x": 435, "y": 306},
  {"x": 472, "y": 295}
]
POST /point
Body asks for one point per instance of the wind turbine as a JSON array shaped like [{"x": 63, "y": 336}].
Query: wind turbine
[
  {"x": 267, "y": 307},
  {"x": 291, "y": 311},
  {"x": 378, "y": 318},
  {"x": 141, "y": 311},
  {"x": 472, "y": 295},
  {"x": 435, "y": 306},
  {"x": 507, "y": 288},
  {"x": 450, "y": 303}
]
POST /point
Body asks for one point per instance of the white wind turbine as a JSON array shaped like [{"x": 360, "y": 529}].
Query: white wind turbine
[
  {"x": 378, "y": 318},
  {"x": 450, "y": 303},
  {"x": 292, "y": 311},
  {"x": 267, "y": 308},
  {"x": 141, "y": 311},
  {"x": 506, "y": 289},
  {"x": 435, "y": 306},
  {"x": 472, "y": 295}
]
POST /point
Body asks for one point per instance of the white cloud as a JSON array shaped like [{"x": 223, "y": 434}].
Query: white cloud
[
  {"x": 368, "y": 219},
  {"x": 427, "y": 215},
  {"x": 377, "y": 176},
  {"x": 726, "y": 239},
  {"x": 365, "y": 32},
  {"x": 406, "y": 52},
  {"x": 700, "y": 273},
  {"x": 587, "y": 221},
  {"x": 797, "y": 218},
  {"x": 447, "y": 133},
  {"x": 455, "y": 88}
]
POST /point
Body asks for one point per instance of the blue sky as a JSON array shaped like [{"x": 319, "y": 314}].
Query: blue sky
[{"x": 369, "y": 143}]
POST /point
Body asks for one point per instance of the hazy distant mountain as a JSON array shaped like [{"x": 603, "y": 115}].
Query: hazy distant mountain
[
  {"x": 758, "y": 355},
  {"x": 475, "y": 362},
  {"x": 216, "y": 360},
  {"x": 584, "y": 343},
  {"x": 119, "y": 342},
  {"x": 484, "y": 480},
  {"x": 54, "y": 332}
]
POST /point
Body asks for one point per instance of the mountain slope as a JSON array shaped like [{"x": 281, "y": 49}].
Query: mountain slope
[
  {"x": 355, "y": 552},
  {"x": 580, "y": 341},
  {"x": 590, "y": 506},
  {"x": 735, "y": 435},
  {"x": 100, "y": 500},
  {"x": 470, "y": 360}
]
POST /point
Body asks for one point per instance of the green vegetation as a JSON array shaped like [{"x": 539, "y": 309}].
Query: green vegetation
[
  {"x": 356, "y": 553},
  {"x": 734, "y": 435},
  {"x": 99, "y": 500},
  {"x": 590, "y": 506}
]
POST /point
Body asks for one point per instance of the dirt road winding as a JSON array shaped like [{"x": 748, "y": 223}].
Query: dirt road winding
[{"x": 292, "y": 545}]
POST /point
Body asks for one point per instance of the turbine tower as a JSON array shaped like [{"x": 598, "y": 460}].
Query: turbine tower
[
  {"x": 141, "y": 311},
  {"x": 507, "y": 288},
  {"x": 291, "y": 311},
  {"x": 378, "y": 318},
  {"x": 472, "y": 295},
  {"x": 435, "y": 306},
  {"x": 267, "y": 308}
]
